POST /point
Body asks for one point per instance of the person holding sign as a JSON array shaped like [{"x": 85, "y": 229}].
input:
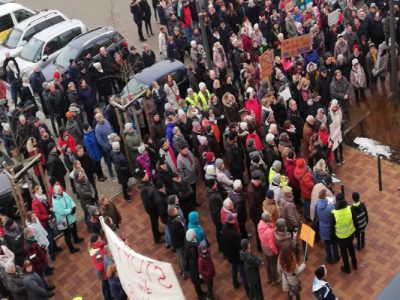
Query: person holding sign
[{"x": 343, "y": 230}]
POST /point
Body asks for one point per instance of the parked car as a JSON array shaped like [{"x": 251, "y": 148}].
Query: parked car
[
  {"x": 47, "y": 44},
  {"x": 158, "y": 72},
  {"x": 21, "y": 34},
  {"x": 88, "y": 42},
  {"x": 10, "y": 15}
]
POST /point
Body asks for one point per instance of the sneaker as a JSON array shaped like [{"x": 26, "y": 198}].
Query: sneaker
[{"x": 339, "y": 163}]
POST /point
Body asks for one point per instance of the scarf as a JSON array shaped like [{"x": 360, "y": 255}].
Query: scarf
[{"x": 41, "y": 198}]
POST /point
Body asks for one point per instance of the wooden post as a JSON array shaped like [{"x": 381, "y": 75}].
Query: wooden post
[
  {"x": 122, "y": 135},
  {"x": 19, "y": 200},
  {"x": 43, "y": 175}
]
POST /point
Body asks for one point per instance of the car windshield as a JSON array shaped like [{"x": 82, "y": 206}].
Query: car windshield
[
  {"x": 33, "y": 50},
  {"x": 134, "y": 87},
  {"x": 65, "y": 55},
  {"x": 13, "y": 38}
]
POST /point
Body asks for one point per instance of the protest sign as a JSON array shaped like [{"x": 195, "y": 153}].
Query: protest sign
[
  {"x": 295, "y": 46},
  {"x": 142, "y": 278},
  {"x": 333, "y": 17},
  {"x": 307, "y": 234},
  {"x": 266, "y": 61}
]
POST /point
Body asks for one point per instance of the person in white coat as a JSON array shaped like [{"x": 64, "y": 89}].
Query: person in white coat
[
  {"x": 162, "y": 42},
  {"x": 335, "y": 118},
  {"x": 223, "y": 175},
  {"x": 33, "y": 223}
]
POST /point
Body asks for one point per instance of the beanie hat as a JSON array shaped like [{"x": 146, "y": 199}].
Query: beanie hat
[
  {"x": 210, "y": 170},
  {"x": 280, "y": 225},
  {"x": 244, "y": 244},
  {"x": 202, "y": 139},
  {"x": 243, "y": 126},
  {"x": 355, "y": 196},
  {"x": 270, "y": 194},
  {"x": 116, "y": 146},
  {"x": 209, "y": 156},
  {"x": 141, "y": 149},
  {"x": 218, "y": 162},
  {"x": 171, "y": 199},
  {"x": 175, "y": 130},
  {"x": 270, "y": 137},
  {"x": 237, "y": 184},
  {"x": 300, "y": 163},
  {"x": 202, "y": 85},
  {"x": 354, "y": 61},
  {"x": 128, "y": 126}
]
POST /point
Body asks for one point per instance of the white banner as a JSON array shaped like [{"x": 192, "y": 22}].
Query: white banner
[
  {"x": 333, "y": 17},
  {"x": 141, "y": 277}
]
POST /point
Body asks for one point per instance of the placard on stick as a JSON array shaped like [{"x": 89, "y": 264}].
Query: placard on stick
[{"x": 307, "y": 234}]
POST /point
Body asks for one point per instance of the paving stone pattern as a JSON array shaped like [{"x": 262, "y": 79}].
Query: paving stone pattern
[{"x": 379, "y": 262}]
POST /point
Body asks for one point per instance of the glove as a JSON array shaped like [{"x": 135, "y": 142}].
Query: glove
[{"x": 73, "y": 210}]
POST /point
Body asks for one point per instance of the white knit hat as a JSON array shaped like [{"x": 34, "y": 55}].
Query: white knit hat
[
  {"x": 116, "y": 146},
  {"x": 202, "y": 85},
  {"x": 237, "y": 184},
  {"x": 269, "y": 137}
]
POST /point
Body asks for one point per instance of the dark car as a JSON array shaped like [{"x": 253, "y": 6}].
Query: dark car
[
  {"x": 158, "y": 72},
  {"x": 88, "y": 42}
]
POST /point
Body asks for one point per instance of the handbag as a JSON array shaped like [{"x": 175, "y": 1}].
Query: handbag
[
  {"x": 293, "y": 289},
  {"x": 62, "y": 224}
]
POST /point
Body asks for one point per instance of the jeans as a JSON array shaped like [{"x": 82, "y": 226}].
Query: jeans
[
  {"x": 52, "y": 242},
  {"x": 331, "y": 250},
  {"x": 180, "y": 253},
  {"x": 67, "y": 235},
  {"x": 168, "y": 237},
  {"x": 347, "y": 248},
  {"x": 124, "y": 186},
  {"x": 187, "y": 32},
  {"x": 140, "y": 30},
  {"x": 239, "y": 267},
  {"x": 105, "y": 288},
  {"x": 218, "y": 234},
  {"x": 107, "y": 159},
  {"x": 147, "y": 24},
  {"x": 290, "y": 297},
  {"x": 271, "y": 266}
]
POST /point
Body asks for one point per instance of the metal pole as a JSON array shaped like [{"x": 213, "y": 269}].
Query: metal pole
[
  {"x": 379, "y": 173},
  {"x": 202, "y": 12},
  {"x": 393, "y": 56}
]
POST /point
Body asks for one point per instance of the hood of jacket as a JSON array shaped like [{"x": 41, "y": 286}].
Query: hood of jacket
[
  {"x": 194, "y": 218},
  {"x": 318, "y": 284},
  {"x": 244, "y": 255},
  {"x": 96, "y": 246},
  {"x": 322, "y": 203}
]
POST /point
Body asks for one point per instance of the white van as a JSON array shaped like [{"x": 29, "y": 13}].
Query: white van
[
  {"x": 21, "y": 34},
  {"x": 46, "y": 45},
  {"x": 10, "y": 15}
]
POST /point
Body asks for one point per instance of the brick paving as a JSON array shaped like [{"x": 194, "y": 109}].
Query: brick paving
[{"x": 378, "y": 262}]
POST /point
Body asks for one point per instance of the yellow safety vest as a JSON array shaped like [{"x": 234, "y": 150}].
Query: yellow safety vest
[
  {"x": 344, "y": 222},
  {"x": 192, "y": 101},
  {"x": 204, "y": 101}
]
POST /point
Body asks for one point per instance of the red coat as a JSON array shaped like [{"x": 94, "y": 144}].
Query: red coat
[
  {"x": 206, "y": 268},
  {"x": 215, "y": 127},
  {"x": 290, "y": 165},
  {"x": 304, "y": 177},
  {"x": 35, "y": 253},
  {"x": 97, "y": 253},
  {"x": 41, "y": 211},
  {"x": 69, "y": 142},
  {"x": 246, "y": 42},
  {"x": 257, "y": 141},
  {"x": 254, "y": 106}
]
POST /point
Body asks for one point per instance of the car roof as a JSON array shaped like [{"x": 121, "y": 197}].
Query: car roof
[
  {"x": 9, "y": 7},
  {"x": 57, "y": 28},
  {"x": 39, "y": 17},
  {"x": 90, "y": 35},
  {"x": 158, "y": 71}
]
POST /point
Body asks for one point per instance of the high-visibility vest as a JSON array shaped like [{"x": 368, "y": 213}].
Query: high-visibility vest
[
  {"x": 344, "y": 226},
  {"x": 192, "y": 100},
  {"x": 204, "y": 101}
]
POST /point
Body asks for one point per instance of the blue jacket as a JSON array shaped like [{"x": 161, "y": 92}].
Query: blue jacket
[
  {"x": 92, "y": 146},
  {"x": 194, "y": 224},
  {"x": 312, "y": 56},
  {"x": 168, "y": 132},
  {"x": 62, "y": 206},
  {"x": 87, "y": 97},
  {"x": 102, "y": 132},
  {"x": 324, "y": 211}
]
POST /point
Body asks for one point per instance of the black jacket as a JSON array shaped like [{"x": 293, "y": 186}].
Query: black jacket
[
  {"x": 239, "y": 203},
  {"x": 192, "y": 258},
  {"x": 215, "y": 204},
  {"x": 165, "y": 176},
  {"x": 251, "y": 264},
  {"x": 147, "y": 194},
  {"x": 121, "y": 166},
  {"x": 235, "y": 159},
  {"x": 177, "y": 231},
  {"x": 149, "y": 58},
  {"x": 231, "y": 243},
  {"x": 160, "y": 202},
  {"x": 55, "y": 167},
  {"x": 87, "y": 165}
]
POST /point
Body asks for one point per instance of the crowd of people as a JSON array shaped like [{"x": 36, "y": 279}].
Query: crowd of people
[{"x": 265, "y": 158}]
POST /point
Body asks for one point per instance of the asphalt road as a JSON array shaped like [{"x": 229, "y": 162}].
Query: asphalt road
[{"x": 96, "y": 13}]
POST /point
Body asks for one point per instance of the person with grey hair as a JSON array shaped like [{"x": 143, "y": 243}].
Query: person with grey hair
[
  {"x": 177, "y": 227},
  {"x": 14, "y": 80},
  {"x": 239, "y": 203},
  {"x": 27, "y": 93},
  {"x": 178, "y": 140},
  {"x": 102, "y": 130},
  {"x": 14, "y": 282},
  {"x": 65, "y": 212}
]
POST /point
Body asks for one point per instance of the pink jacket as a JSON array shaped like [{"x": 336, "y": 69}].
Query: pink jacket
[
  {"x": 267, "y": 236},
  {"x": 143, "y": 161}
]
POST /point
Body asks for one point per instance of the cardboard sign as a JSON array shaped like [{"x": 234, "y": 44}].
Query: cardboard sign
[
  {"x": 266, "y": 63},
  {"x": 295, "y": 46},
  {"x": 307, "y": 234},
  {"x": 333, "y": 17},
  {"x": 142, "y": 277}
]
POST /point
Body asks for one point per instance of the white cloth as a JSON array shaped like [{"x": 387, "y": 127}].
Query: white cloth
[{"x": 39, "y": 231}]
